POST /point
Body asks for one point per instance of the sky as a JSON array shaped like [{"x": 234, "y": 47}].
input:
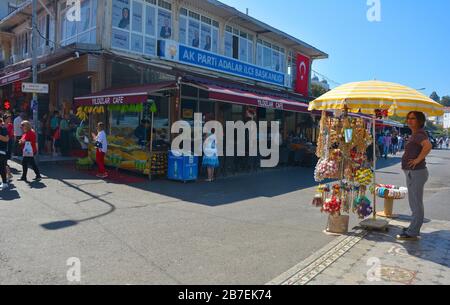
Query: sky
[{"x": 410, "y": 45}]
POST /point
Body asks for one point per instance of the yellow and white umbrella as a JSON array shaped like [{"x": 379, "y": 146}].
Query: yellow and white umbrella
[{"x": 366, "y": 97}]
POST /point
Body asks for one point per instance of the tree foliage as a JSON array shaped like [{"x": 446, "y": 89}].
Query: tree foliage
[{"x": 317, "y": 90}]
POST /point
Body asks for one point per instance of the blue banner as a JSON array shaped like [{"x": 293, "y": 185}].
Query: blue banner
[{"x": 228, "y": 65}]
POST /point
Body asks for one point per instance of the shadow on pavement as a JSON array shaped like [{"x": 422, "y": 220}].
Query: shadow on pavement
[
  {"x": 432, "y": 247},
  {"x": 266, "y": 183},
  {"x": 9, "y": 195},
  {"x": 63, "y": 224}
]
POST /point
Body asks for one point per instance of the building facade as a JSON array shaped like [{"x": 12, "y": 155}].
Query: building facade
[{"x": 184, "y": 56}]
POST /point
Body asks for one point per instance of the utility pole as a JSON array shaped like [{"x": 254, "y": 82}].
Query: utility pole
[{"x": 34, "y": 103}]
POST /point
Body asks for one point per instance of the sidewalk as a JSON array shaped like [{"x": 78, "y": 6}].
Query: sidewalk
[{"x": 375, "y": 258}]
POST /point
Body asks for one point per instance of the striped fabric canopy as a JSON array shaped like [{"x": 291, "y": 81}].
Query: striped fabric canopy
[{"x": 366, "y": 97}]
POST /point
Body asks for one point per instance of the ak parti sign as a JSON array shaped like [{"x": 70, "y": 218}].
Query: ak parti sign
[{"x": 303, "y": 69}]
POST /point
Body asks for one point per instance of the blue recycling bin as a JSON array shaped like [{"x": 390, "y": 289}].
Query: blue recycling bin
[{"x": 182, "y": 167}]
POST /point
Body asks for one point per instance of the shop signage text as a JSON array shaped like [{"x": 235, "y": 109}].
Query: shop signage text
[
  {"x": 21, "y": 75},
  {"x": 270, "y": 104},
  {"x": 219, "y": 63},
  {"x": 34, "y": 88},
  {"x": 108, "y": 100}
]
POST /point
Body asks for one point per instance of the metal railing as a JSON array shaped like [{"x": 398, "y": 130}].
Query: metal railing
[{"x": 13, "y": 5}]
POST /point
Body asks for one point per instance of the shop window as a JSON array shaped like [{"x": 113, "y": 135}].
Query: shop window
[
  {"x": 23, "y": 45},
  {"x": 161, "y": 121},
  {"x": 291, "y": 70},
  {"x": 270, "y": 56},
  {"x": 189, "y": 91},
  {"x": 138, "y": 24},
  {"x": 198, "y": 31},
  {"x": 208, "y": 110},
  {"x": 83, "y": 31},
  {"x": 237, "y": 113},
  {"x": 188, "y": 109},
  {"x": 123, "y": 124},
  {"x": 238, "y": 45}
]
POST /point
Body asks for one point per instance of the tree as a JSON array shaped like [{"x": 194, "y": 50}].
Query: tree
[
  {"x": 435, "y": 97},
  {"x": 445, "y": 101},
  {"x": 317, "y": 90}
]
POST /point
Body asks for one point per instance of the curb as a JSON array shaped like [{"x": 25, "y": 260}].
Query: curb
[{"x": 311, "y": 267}]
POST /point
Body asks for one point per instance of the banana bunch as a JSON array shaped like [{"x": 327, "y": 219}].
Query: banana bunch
[
  {"x": 84, "y": 111},
  {"x": 81, "y": 114}
]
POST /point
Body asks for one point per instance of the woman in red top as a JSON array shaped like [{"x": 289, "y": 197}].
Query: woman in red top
[{"x": 29, "y": 136}]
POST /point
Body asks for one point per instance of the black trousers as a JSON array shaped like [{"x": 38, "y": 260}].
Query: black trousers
[
  {"x": 26, "y": 162},
  {"x": 3, "y": 161}
]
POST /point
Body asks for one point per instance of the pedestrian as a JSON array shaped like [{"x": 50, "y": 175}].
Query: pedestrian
[
  {"x": 400, "y": 143},
  {"x": 447, "y": 143},
  {"x": 415, "y": 168},
  {"x": 9, "y": 126},
  {"x": 18, "y": 132},
  {"x": 42, "y": 134},
  {"x": 394, "y": 144},
  {"x": 210, "y": 156},
  {"x": 64, "y": 126},
  {"x": 4, "y": 139},
  {"x": 29, "y": 150},
  {"x": 387, "y": 144},
  {"x": 101, "y": 143},
  {"x": 55, "y": 132}
]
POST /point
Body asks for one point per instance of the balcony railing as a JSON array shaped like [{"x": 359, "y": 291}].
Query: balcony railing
[{"x": 13, "y": 5}]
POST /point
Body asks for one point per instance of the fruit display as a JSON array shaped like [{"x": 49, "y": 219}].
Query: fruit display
[
  {"x": 125, "y": 154},
  {"x": 129, "y": 108},
  {"x": 159, "y": 164}
]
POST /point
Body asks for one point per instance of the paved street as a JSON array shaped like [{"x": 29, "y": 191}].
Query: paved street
[{"x": 248, "y": 229}]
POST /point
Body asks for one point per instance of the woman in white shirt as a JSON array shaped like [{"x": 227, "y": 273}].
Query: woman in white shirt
[
  {"x": 210, "y": 156},
  {"x": 101, "y": 143}
]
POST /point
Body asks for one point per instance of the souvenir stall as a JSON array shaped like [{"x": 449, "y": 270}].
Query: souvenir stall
[{"x": 343, "y": 151}]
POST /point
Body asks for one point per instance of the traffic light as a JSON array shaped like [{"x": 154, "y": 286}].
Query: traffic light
[{"x": 6, "y": 105}]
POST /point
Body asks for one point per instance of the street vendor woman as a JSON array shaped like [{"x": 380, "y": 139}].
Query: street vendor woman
[{"x": 414, "y": 165}]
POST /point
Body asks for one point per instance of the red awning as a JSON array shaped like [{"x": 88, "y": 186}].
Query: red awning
[
  {"x": 131, "y": 95},
  {"x": 253, "y": 99},
  {"x": 15, "y": 77}
]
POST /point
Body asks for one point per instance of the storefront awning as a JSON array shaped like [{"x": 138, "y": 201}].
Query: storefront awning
[
  {"x": 15, "y": 77},
  {"x": 236, "y": 96},
  {"x": 132, "y": 95}
]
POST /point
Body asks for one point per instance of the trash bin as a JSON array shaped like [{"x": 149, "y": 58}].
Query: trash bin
[{"x": 182, "y": 167}]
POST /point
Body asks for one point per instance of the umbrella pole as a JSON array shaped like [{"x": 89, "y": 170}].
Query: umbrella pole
[
  {"x": 374, "y": 223},
  {"x": 374, "y": 166}
]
